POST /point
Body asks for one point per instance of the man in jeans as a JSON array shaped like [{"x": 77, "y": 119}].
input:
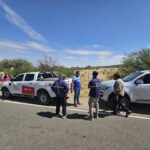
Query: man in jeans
[
  {"x": 76, "y": 85},
  {"x": 94, "y": 93},
  {"x": 61, "y": 88}
]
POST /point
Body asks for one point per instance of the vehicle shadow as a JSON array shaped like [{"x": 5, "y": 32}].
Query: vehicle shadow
[
  {"x": 25, "y": 100},
  {"x": 46, "y": 114},
  {"x": 135, "y": 108}
]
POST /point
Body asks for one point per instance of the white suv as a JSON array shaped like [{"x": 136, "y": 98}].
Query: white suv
[{"x": 137, "y": 88}]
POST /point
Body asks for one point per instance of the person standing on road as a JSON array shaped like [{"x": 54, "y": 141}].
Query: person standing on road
[
  {"x": 76, "y": 86},
  {"x": 94, "y": 85},
  {"x": 119, "y": 100},
  {"x": 61, "y": 88}
]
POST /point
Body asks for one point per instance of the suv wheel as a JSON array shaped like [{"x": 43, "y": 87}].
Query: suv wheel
[{"x": 43, "y": 98}]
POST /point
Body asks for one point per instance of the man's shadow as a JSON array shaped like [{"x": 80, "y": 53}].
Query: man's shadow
[
  {"x": 77, "y": 116},
  {"x": 46, "y": 114}
]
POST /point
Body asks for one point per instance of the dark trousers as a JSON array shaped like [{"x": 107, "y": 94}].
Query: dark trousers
[
  {"x": 119, "y": 102},
  {"x": 61, "y": 101}
]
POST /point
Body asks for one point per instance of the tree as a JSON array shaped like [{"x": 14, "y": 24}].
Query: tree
[
  {"x": 16, "y": 66},
  {"x": 48, "y": 63},
  {"x": 136, "y": 61},
  {"x": 64, "y": 70}
]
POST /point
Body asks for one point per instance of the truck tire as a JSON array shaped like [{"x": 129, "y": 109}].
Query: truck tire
[
  {"x": 5, "y": 93},
  {"x": 43, "y": 97}
]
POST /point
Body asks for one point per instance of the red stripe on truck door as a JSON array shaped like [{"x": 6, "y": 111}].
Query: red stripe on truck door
[{"x": 28, "y": 90}]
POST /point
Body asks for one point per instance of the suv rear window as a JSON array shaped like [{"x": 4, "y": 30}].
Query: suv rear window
[{"x": 29, "y": 77}]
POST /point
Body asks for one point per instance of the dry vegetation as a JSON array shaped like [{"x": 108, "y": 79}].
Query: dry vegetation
[{"x": 86, "y": 75}]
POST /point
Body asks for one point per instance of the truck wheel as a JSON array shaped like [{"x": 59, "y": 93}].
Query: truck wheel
[
  {"x": 43, "y": 98},
  {"x": 5, "y": 93}
]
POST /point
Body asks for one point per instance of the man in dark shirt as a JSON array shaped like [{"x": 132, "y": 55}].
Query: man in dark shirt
[
  {"x": 61, "y": 88},
  {"x": 94, "y": 93}
]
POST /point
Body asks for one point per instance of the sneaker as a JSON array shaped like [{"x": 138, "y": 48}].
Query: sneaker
[
  {"x": 64, "y": 117},
  {"x": 96, "y": 117},
  {"x": 57, "y": 115},
  {"x": 79, "y": 103},
  {"x": 127, "y": 114},
  {"x": 91, "y": 119},
  {"x": 75, "y": 105}
]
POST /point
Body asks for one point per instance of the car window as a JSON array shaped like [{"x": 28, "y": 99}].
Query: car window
[
  {"x": 146, "y": 79},
  {"x": 29, "y": 77},
  {"x": 45, "y": 75},
  {"x": 132, "y": 76},
  {"x": 19, "y": 78}
]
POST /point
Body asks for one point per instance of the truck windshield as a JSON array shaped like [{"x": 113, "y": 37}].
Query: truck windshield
[{"x": 132, "y": 76}]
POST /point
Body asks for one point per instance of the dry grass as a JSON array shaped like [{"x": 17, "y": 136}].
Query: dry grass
[{"x": 86, "y": 75}]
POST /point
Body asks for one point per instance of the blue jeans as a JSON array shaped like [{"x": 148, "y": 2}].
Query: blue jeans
[{"x": 76, "y": 96}]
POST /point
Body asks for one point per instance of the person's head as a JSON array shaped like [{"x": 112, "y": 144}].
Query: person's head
[
  {"x": 77, "y": 73},
  {"x": 116, "y": 76},
  {"x": 62, "y": 76},
  {"x": 95, "y": 74}
]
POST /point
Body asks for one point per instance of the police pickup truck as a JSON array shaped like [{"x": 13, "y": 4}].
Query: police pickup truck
[{"x": 32, "y": 84}]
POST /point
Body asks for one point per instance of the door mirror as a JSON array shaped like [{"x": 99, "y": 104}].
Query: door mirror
[{"x": 140, "y": 81}]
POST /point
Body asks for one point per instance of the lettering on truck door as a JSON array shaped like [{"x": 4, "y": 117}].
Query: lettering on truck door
[{"x": 28, "y": 85}]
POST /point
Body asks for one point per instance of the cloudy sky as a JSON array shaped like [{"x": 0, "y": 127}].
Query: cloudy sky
[{"x": 76, "y": 32}]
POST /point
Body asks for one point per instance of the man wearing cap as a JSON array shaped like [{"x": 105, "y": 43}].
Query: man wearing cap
[{"x": 61, "y": 88}]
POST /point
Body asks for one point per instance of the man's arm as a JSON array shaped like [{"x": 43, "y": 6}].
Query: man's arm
[{"x": 90, "y": 84}]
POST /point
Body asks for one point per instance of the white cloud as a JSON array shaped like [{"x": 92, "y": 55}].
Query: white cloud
[
  {"x": 76, "y": 58},
  {"x": 17, "y": 20},
  {"x": 23, "y": 47},
  {"x": 38, "y": 46},
  {"x": 111, "y": 60},
  {"x": 12, "y": 46},
  {"x": 88, "y": 52},
  {"x": 70, "y": 57}
]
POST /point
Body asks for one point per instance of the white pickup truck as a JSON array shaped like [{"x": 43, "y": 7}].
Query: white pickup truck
[
  {"x": 32, "y": 84},
  {"x": 137, "y": 88}
]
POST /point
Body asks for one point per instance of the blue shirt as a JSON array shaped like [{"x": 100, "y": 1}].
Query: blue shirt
[
  {"x": 60, "y": 87},
  {"x": 94, "y": 86},
  {"x": 76, "y": 81}
]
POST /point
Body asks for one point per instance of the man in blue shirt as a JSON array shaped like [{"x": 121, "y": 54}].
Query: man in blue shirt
[
  {"x": 94, "y": 94},
  {"x": 76, "y": 86},
  {"x": 61, "y": 88}
]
